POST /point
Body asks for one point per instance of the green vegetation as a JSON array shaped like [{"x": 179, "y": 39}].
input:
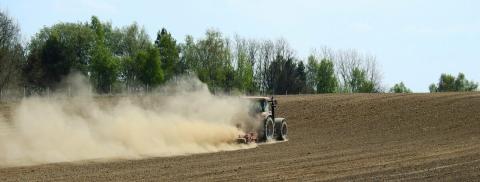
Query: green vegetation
[
  {"x": 448, "y": 83},
  {"x": 400, "y": 88},
  {"x": 122, "y": 58},
  {"x": 169, "y": 54},
  {"x": 360, "y": 83},
  {"x": 11, "y": 52},
  {"x": 326, "y": 81}
]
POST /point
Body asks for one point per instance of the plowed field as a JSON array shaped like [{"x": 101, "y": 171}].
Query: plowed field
[{"x": 365, "y": 137}]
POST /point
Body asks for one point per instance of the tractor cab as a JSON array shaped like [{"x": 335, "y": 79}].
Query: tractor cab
[{"x": 262, "y": 105}]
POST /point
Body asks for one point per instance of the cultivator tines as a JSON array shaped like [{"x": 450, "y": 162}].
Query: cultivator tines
[{"x": 247, "y": 138}]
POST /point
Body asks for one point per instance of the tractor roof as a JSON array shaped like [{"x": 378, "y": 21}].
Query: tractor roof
[{"x": 257, "y": 98}]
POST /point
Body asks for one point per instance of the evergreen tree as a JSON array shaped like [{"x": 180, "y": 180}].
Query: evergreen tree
[
  {"x": 300, "y": 78},
  {"x": 169, "y": 54}
]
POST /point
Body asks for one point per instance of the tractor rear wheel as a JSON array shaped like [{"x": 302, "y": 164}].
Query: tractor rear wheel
[{"x": 281, "y": 130}]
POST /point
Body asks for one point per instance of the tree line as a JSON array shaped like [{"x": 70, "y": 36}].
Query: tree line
[
  {"x": 446, "y": 83},
  {"x": 116, "y": 58}
]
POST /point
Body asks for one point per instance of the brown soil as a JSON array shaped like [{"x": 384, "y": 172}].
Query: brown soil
[{"x": 365, "y": 137}]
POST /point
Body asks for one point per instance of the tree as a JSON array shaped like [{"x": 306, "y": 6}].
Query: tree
[
  {"x": 359, "y": 82},
  {"x": 263, "y": 77},
  {"x": 282, "y": 72},
  {"x": 148, "y": 67},
  {"x": 312, "y": 73},
  {"x": 433, "y": 88},
  {"x": 243, "y": 77},
  {"x": 326, "y": 81},
  {"x": 300, "y": 78},
  {"x": 281, "y": 64},
  {"x": 275, "y": 69},
  {"x": 131, "y": 40},
  {"x": 400, "y": 88},
  {"x": 211, "y": 59},
  {"x": 56, "y": 51},
  {"x": 287, "y": 78},
  {"x": 11, "y": 52},
  {"x": 463, "y": 85},
  {"x": 169, "y": 57},
  {"x": 448, "y": 83},
  {"x": 104, "y": 67},
  {"x": 188, "y": 54},
  {"x": 350, "y": 62}
]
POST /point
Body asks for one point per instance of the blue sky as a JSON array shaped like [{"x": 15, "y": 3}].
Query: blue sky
[{"x": 414, "y": 40}]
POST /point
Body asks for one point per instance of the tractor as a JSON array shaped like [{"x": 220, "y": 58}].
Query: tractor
[{"x": 270, "y": 128}]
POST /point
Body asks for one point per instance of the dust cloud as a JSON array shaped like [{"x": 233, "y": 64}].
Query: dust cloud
[{"x": 180, "y": 118}]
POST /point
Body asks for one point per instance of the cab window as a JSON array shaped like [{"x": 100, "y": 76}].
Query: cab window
[
  {"x": 262, "y": 105},
  {"x": 267, "y": 106}
]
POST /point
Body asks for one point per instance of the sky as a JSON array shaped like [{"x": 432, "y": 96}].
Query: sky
[{"x": 414, "y": 41}]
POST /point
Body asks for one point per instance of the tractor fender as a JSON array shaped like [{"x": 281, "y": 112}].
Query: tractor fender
[{"x": 279, "y": 120}]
